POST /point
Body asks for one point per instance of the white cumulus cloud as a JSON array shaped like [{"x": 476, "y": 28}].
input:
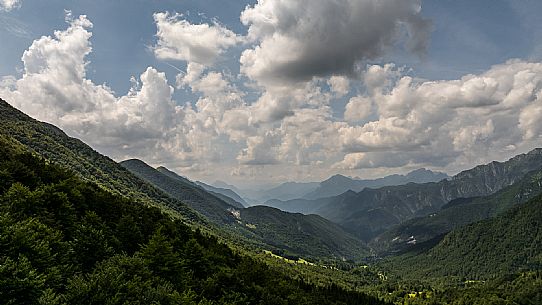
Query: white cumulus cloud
[
  {"x": 54, "y": 88},
  {"x": 179, "y": 39},
  {"x": 358, "y": 108},
  {"x": 464, "y": 121}
]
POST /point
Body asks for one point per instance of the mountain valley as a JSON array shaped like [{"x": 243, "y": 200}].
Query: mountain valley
[{"x": 393, "y": 235}]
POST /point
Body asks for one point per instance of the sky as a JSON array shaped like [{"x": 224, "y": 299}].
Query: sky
[{"x": 263, "y": 92}]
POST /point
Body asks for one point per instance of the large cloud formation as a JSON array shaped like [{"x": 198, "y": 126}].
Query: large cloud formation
[
  {"x": 297, "y": 40},
  {"x": 291, "y": 130},
  {"x": 54, "y": 88},
  {"x": 468, "y": 119}
]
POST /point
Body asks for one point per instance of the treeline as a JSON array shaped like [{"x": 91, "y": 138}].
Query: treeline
[{"x": 67, "y": 241}]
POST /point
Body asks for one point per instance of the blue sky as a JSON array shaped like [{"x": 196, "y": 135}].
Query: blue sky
[
  {"x": 458, "y": 38},
  {"x": 468, "y": 36}
]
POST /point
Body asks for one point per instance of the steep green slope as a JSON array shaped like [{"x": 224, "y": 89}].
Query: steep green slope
[
  {"x": 54, "y": 145},
  {"x": 210, "y": 206},
  {"x": 68, "y": 241},
  {"x": 373, "y": 211},
  {"x": 310, "y": 236},
  {"x": 502, "y": 245},
  {"x": 457, "y": 213}
]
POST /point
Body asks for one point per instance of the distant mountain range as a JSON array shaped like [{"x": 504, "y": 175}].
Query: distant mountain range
[
  {"x": 287, "y": 191},
  {"x": 339, "y": 184},
  {"x": 258, "y": 195},
  {"x": 332, "y": 186},
  {"x": 371, "y": 212},
  {"x": 336, "y": 185}
]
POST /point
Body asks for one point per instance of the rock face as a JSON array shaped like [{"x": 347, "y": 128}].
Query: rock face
[
  {"x": 372, "y": 211},
  {"x": 458, "y": 213}
]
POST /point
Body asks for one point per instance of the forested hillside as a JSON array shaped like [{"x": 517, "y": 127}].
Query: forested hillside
[
  {"x": 487, "y": 249},
  {"x": 54, "y": 145},
  {"x": 310, "y": 236},
  {"x": 67, "y": 241}
]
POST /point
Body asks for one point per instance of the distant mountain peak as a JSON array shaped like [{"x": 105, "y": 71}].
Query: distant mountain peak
[
  {"x": 337, "y": 178},
  {"x": 423, "y": 173},
  {"x": 134, "y": 161}
]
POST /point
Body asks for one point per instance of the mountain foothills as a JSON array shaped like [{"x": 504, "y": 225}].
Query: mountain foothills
[
  {"x": 310, "y": 236},
  {"x": 501, "y": 245},
  {"x": 210, "y": 206},
  {"x": 78, "y": 228}
]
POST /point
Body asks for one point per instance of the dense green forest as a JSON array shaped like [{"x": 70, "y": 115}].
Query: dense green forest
[
  {"x": 67, "y": 241},
  {"x": 502, "y": 245}
]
